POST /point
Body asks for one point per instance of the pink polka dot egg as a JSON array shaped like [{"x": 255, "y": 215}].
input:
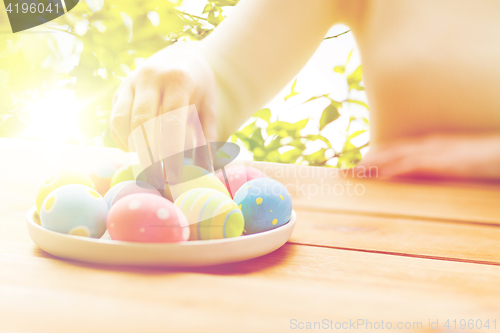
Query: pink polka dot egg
[
  {"x": 233, "y": 177},
  {"x": 147, "y": 218},
  {"x": 75, "y": 209}
]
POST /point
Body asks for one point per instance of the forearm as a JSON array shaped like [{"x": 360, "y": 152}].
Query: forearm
[{"x": 258, "y": 49}]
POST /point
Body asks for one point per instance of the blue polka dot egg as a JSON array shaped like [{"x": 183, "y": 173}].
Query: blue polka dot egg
[
  {"x": 265, "y": 203},
  {"x": 76, "y": 210}
]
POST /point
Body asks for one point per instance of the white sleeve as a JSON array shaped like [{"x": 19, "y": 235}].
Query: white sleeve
[{"x": 259, "y": 48}]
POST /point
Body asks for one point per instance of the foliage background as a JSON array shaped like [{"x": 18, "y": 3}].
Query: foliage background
[{"x": 94, "y": 47}]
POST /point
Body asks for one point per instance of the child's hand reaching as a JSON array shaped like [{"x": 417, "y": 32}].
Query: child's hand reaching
[
  {"x": 438, "y": 156},
  {"x": 250, "y": 57},
  {"x": 173, "y": 78}
]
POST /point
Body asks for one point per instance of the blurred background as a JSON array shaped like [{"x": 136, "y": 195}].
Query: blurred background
[{"x": 57, "y": 81}]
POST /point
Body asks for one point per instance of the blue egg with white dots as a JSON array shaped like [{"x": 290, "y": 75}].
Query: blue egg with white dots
[
  {"x": 265, "y": 203},
  {"x": 76, "y": 210}
]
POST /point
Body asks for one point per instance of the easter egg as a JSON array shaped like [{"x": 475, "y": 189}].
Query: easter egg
[
  {"x": 265, "y": 203},
  {"x": 101, "y": 177},
  {"x": 60, "y": 179},
  {"x": 128, "y": 187},
  {"x": 147, "y": 218},
  {"x": 76, "y": 210},
  {"x": 193, "y": 177},
  {"x": 36, "y": 218},
  {"x": 211, "y": 214},
  {"x": 125, "y": 173},
  {"x": 236, "y": 176}
]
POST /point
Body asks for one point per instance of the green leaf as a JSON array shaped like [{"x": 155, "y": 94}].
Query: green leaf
[
  {"x": 316, "y": 158},
  {"x": 247, "y": 130},
  {"x": 274, "y": 144},
  {"x": 358, "y": 102},
  {"x": 297, "y": 144},
  {"x": 272, "y": 156},
  {"x": 348, "y": 57},
  {"x": 355, "y": 134},
  {"x": 264, "y": 114},
  {"x": 335, "y": 103},
  {"x": 208, "y": 8},
  {"x": 215, "y": 16},
  {"x": 293, "y": 92},
  {"x": 257, "y": 138},
  {"x": 301, "y": 124},
  {"x": 356, "y": 86},
  {"x": 226, "y": 2},
  {"x": 258, "y": 153},
  {"x": 291, "y": 155},
  {"x": 339, "y": 69},
  {"x": 329, "y": 114},
  {"x": 241, "y": 136},
  {"x": 316, "y": 97},
  {"x": 354, "y": 78},
  {"x": 349, "y": 160},
  {"x": 350, "y": 156},
  {"x": 314, "y": 137}
]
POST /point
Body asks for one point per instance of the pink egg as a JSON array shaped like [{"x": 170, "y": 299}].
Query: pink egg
[
  {"x": 237, "y": 176},
  {"x": 147, "y": 218}
]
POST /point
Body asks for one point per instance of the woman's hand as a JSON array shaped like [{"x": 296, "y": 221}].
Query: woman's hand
[
  {"x": 173, "y": 78},
  {"x": 437, "y": 156}
]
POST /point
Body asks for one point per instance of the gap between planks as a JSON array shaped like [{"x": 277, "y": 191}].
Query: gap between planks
[
  {"x": 390, "y": 215},
  {"x": 400, "y": 254}
]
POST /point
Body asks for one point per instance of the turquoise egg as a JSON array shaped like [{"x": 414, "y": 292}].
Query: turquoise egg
[
  {"x": 265, "y": 203},
  {"x": 110, "y": 194},
  {"x": 76, "y": 210}
]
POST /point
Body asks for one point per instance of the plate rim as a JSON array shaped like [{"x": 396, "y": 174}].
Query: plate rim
[{"x": 31, "y": 223}]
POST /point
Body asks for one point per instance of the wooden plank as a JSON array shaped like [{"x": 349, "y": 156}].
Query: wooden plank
[
  {"x": 296, "y": 282},
  {"x": 399, "y": 236},
  {"x": 326, "y": 189}
]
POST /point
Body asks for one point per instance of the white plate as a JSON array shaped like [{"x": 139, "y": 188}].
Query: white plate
[{"x": 184, "y": 254}]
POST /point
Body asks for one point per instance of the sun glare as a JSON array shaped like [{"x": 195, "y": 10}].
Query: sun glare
[{"x": 54, "y": 117}]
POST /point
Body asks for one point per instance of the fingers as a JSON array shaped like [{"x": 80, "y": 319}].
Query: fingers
[
  {"x": 414, "y": 166},
  {"x": 146, "y": 104},
  {"x": 208, "y": 134},
  {"x": 419, "y": 157},
  {"x": 150, "y": 115},
  {"x": 172, "y": 124},
  {"x": 435, "y": 156},
  {"x": 120, "y": 116},
  {"x": 381, "y": 161},
  {"x": 146, "y": 109}
]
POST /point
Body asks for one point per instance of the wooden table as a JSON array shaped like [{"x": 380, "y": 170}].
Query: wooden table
[{"x": 401, "y": 253}]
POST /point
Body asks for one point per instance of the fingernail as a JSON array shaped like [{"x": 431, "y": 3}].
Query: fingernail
[{"x": 171, "y": 176}]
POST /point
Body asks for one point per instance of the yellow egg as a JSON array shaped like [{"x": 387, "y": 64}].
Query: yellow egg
[
  {"x": 125, "y": 173},
  {"x": 193, "y": 177},
  {"x": 211, "y": 214},
  {"x": 60, "y": 179}
]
